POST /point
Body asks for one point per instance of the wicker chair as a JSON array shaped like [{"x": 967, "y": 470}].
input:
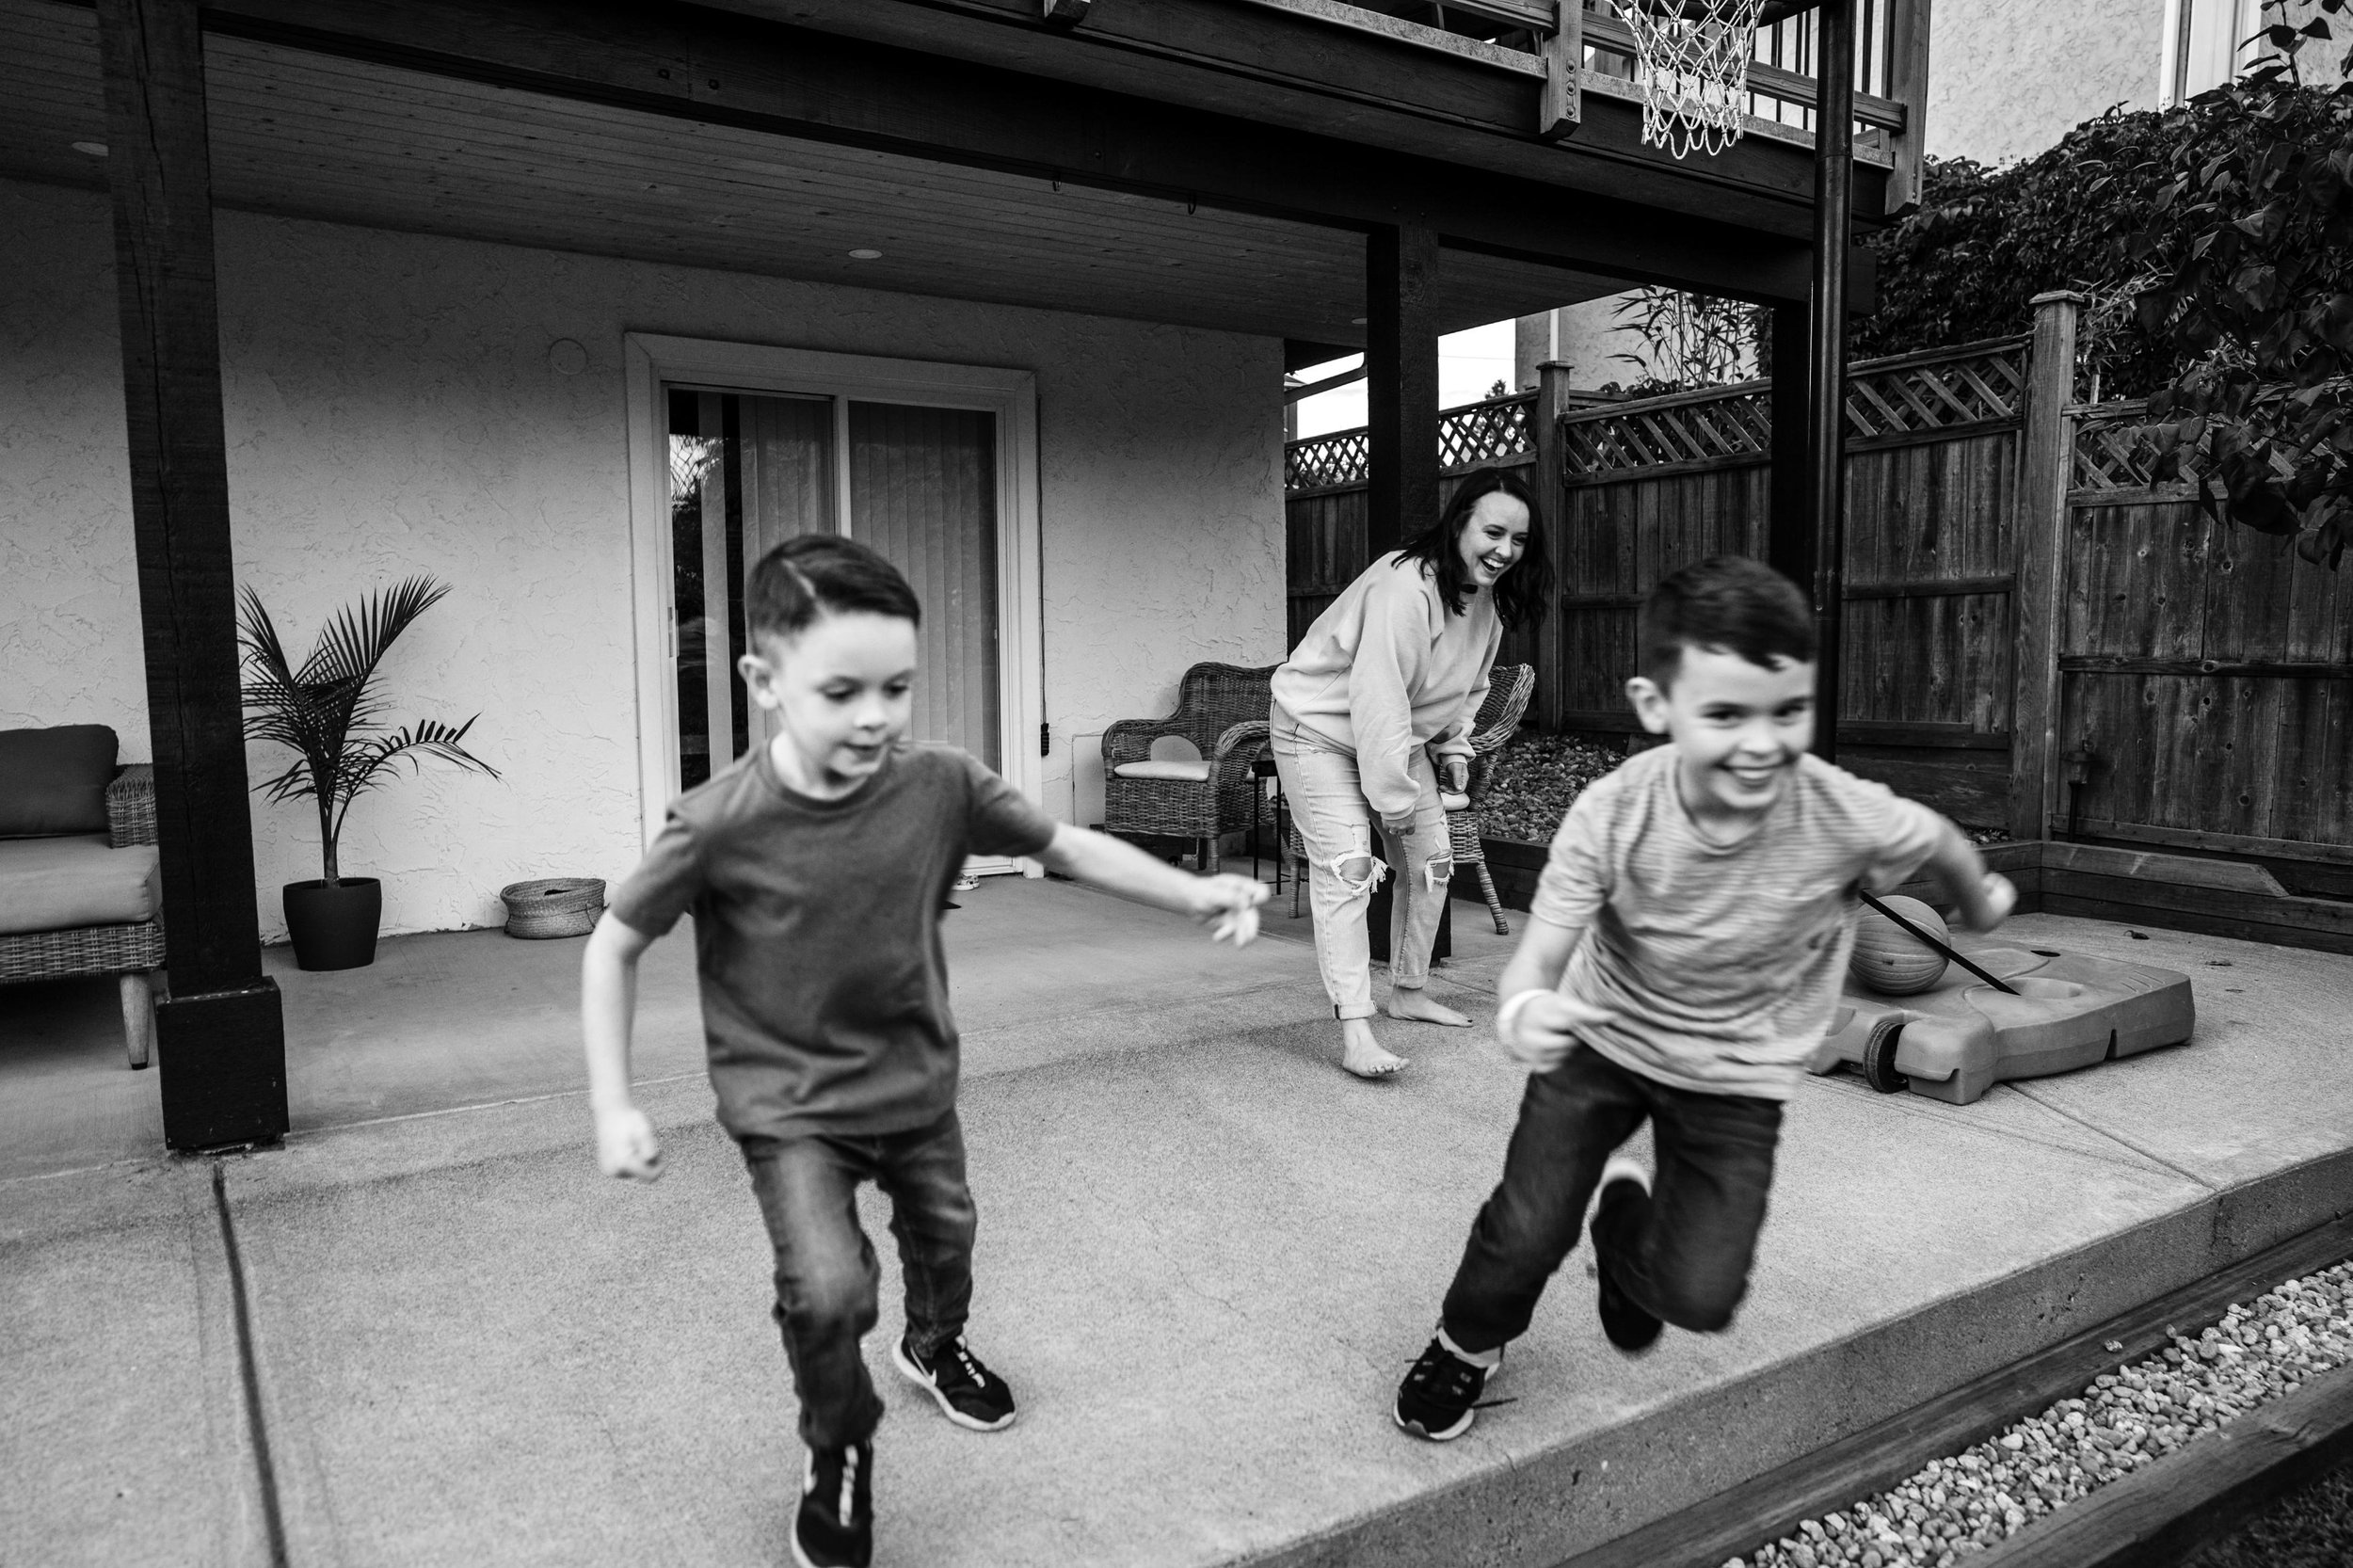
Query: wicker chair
[
  {"x": 126, "y": 951},
  {"x": 1508, "y": 687},
  {"x": 1222, "y": 710}
]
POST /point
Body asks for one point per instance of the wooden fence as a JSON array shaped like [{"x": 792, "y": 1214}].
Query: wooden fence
[{"x": 2037, "y": 637}]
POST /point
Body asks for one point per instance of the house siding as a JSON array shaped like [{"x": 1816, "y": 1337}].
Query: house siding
[
  {"x": 2007, "y": 78},
  {"x": 391, "y": 409}
]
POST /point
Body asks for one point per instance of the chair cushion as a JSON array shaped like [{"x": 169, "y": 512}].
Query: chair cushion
[
  {"x": 55, "y": 780},
  {"x": 57, "y": 884},
  {"x": 1197, "y": 773}
]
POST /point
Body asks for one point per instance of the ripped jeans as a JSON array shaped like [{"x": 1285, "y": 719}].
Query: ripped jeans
[{"x": 1337, "y": 823}]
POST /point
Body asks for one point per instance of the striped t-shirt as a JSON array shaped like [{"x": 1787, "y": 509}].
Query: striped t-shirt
[{"x": 1721, "y": 965}]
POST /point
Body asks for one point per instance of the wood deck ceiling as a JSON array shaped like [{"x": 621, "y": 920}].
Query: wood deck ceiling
[{"x": 305, "y": 135}]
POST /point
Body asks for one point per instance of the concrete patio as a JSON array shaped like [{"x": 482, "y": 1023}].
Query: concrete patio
[{"x": 1206, "y": 1258}]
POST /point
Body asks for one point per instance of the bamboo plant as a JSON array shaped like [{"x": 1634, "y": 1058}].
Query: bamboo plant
[{"x": 330, "y": 713}]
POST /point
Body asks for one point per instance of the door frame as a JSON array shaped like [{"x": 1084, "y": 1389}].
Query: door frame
[{"x": 653, "y": 359}]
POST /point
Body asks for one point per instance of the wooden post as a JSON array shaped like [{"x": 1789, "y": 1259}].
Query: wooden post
[
  {"x": 1564, "y": 58},
  {"x": 1402, "y": 385},
  {"x": 1552, "y": 497},
  {"x": 1826, "y": 376},
  {"x": 1907, "y": 85},
  {"x": 1790, "y": 535},
  {"x": 220, "y": 1034},
  {"x": 2045, "y": 470}
]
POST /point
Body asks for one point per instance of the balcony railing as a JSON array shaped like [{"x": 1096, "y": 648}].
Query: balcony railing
[{"x": 1595, "y": 53}]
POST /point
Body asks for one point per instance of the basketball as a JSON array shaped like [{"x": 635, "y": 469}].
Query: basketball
[{"x": 1891, "y": 960}]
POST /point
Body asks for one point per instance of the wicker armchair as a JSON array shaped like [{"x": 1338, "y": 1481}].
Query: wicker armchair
[
  {"x": 1222, "y": 710},
  {"x": 127, "y": 952},
  {"x": 1508, "y": 687}
]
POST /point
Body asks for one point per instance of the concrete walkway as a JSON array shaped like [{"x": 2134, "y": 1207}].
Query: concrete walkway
[{"x": 1206, "y": 1258}]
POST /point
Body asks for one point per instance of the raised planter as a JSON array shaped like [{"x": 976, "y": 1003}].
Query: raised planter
[{"x": 1513, "y": 864}]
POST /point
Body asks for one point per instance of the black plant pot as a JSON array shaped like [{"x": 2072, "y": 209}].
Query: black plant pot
[{"x": 334, "y": 928}]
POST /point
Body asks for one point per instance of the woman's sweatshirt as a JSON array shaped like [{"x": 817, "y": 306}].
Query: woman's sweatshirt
[{"x": 1389, "y": 667}]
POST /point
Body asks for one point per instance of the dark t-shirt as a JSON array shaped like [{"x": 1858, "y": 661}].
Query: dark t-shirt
[{"x": 825, "y": 988}]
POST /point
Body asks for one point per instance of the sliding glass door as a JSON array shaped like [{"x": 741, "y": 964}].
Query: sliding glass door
[{"x": 917, "y": 483}]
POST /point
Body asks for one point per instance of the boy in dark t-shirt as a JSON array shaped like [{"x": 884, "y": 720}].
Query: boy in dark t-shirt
[{"x": 816, "y": 867}]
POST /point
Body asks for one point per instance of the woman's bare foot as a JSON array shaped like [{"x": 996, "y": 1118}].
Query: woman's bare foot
[
  {"x": 1414, "y": 1006},
  {"x": 1361, "y": 1054}
]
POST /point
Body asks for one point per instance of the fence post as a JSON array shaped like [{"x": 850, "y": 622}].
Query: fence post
[
  {"x": 2041, "y": 536},
  {"x": 1552, "y": 498}
]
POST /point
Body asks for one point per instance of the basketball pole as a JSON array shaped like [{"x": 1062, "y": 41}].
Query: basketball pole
[{"x": 1826, "y": 384}]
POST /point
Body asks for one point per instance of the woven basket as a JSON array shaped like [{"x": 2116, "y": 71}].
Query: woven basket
[{"x": 553, "y": 907}]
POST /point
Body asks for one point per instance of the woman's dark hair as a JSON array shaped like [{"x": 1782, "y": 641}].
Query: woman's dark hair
[
  {"x": 1728, "y": 603},
  {"x": 823, "y": 572},
  {"x": 1521, "y": 592}
]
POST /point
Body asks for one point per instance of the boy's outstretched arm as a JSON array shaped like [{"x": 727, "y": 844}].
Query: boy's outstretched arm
[
  {"x": 1984, "y": 898},
  {"x": 626, "y": 1145},
  {"x": 1102, "y": 861},
  {"x": 1537, "y": 1023}
]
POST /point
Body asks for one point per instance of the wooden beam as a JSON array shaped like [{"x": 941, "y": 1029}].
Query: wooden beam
[
  {"x": 710, "y": 65},
  {"x": 2041, "y": 535},
  {"x": 1563, "y": 105},
  {"x": 220, "y": 1038},
  {"x": 1552, "y": 497},
  {"x": 1329, "y": 383},
  {"x": 1789, "y": 533},
  {"x": 1908, "y": 81},
  {"x": 1826, "y": 359},
  {"x": 1402, "y": 388}
]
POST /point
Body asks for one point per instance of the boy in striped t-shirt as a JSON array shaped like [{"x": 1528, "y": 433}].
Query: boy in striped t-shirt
[{"x": 1683, "y": 961}]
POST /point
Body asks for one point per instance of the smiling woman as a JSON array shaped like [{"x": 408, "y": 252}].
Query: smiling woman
[{"x": 1377, "y": 698}]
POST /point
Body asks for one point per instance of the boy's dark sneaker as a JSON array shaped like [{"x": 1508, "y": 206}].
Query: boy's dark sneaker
[
  {"x": 1437, "y": 1398},
  {"x": 835, "y": 1527},
  {"x": 1629, "y": 1327},
  {"x": 968, "y": 1393}
]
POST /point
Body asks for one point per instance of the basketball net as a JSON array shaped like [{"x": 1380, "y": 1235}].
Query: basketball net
[{"x": 1694, "y": 56}]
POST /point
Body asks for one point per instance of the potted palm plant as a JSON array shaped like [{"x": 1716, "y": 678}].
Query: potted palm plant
[{"x": 329, "y": 713}]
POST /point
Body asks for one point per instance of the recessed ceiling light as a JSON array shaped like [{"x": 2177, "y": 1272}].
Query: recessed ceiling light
[
  {"x": 1356, "y": 320},
  {"x": 94, "y": 148},
  {"x": 862, "y": 254}
]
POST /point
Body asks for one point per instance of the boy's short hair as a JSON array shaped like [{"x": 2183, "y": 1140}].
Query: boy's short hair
[
  {"x": 813, "y": 572},
  {"x": 1729, "y": 604}
]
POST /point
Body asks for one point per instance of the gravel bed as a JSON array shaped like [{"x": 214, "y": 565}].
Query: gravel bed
[
  {"x": 1536, "y": 777},
  {"x": 2129, "y": 1417}
]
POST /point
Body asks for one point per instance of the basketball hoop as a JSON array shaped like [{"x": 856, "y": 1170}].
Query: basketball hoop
[{"x": 1693, "y": 64}]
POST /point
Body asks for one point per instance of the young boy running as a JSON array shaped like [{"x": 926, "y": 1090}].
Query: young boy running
[
  {"x": 816, "y": 867},
  {"x": 1690, "y": 934}
]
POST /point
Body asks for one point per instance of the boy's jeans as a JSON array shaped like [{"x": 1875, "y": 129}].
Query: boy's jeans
[
  {"x": 1335, "y": 824},
  {"x": 826, "y": 1276},
  {"x": 1682, "y": 1254}
]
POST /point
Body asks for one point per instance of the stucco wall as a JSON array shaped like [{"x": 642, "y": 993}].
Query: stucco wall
[
  {"x": 391, "y": 410},
  {"x": 2006, "y": 78}
]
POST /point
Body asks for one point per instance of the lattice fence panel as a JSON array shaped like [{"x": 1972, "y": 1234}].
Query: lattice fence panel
[
  {"x": 1496, "y": 430},
  {"x": 2116, "y": 450},
  {"x": 1736, "y": 424},
  {"x": 1327, "y": 460},
  {"x": 1902, "y": 399}
]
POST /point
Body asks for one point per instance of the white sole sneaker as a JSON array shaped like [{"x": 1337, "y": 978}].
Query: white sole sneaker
[
  {"x": 1447, "y": 1434},
  {"x": 914, "y": 1374}
]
